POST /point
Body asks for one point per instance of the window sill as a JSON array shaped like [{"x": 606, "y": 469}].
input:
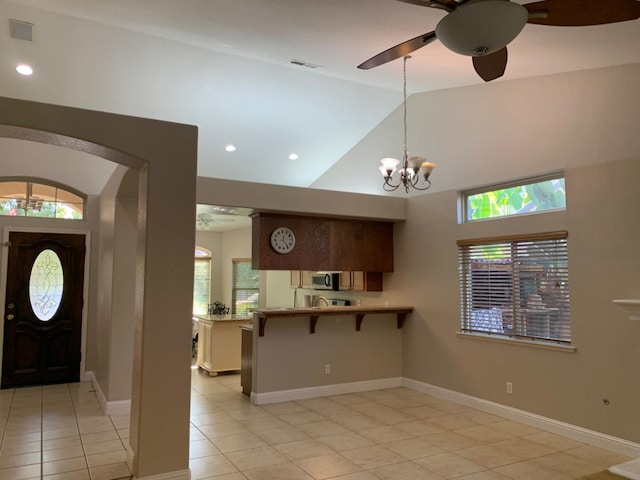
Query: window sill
[{"x": 519, "y": 342}]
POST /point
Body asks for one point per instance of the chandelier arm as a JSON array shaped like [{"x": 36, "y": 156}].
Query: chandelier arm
[{"x": 426, "y": 187}]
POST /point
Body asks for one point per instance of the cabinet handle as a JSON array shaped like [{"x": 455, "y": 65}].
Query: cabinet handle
[{"x": 10, "y": 316}]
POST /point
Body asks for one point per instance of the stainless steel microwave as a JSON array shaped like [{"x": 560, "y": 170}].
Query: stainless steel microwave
[{"x": 325, "y": 281}]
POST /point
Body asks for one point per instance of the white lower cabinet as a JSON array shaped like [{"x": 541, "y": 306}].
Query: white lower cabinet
[{"x": 219, "y": 343}]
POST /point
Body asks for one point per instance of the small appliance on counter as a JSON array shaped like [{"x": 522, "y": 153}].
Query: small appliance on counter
[{"x": 335, "y": 302}]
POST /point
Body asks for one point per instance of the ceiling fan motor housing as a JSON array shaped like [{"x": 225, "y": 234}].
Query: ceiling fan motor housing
[{"x": 481, "y": 27}]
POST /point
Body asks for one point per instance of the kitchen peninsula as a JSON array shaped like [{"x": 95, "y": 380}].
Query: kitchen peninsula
[
  {"x": 313, "y": 313},
  {"x": 315, "y": 351}
]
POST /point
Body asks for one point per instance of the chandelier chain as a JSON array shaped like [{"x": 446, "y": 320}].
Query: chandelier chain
[
  {"x": 404, "y": 92},
  {"x": 411, "y": 171}
]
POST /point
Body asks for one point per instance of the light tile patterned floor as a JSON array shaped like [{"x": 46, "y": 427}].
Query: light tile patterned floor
[{"x": 59, "y": 433}]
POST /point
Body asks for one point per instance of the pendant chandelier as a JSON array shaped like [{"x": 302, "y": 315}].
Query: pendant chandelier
[{"x": 414, "y": 171}]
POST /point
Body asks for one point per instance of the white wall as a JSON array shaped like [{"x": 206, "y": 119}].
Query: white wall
[
  {"x": 586, "y": 123},
  {"x": 604, "y": 261},
  {"x": 507, "y": 129}
]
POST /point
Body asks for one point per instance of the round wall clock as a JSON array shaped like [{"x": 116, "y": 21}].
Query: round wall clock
[{"x": 283, "y": 240}]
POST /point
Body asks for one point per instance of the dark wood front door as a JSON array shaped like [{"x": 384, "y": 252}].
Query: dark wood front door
[{"x": 43, "y": 309}]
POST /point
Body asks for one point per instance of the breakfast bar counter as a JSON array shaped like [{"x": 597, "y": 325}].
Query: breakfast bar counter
[{"x": 313, "y": 313}]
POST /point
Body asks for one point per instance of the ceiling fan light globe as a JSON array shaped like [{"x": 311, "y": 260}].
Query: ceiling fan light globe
[{"x": 481, "y": 27}]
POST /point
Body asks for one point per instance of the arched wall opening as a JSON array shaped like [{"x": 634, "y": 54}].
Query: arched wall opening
[{"x": 163, "y": 261}]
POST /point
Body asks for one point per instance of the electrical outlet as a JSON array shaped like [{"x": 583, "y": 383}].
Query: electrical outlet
[
  {"x": 509, "y": 388},
  {"x": 327, "y": 368}
]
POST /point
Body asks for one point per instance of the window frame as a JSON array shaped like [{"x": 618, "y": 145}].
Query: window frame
[
  {"x": 55, "y": 201},
  {"x": 500, "y": 308},
  {"x": 463, "y": 197},
  {"x": 203, "y": 258},
  {"x": 255, "y": 290}
]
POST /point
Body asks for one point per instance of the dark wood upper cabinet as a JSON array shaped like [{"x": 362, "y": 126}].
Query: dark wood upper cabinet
[{"x": 323, "y": 243}]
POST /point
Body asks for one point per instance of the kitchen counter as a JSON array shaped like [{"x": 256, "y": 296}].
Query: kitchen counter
[
  {"x": 223, "y": 318},
  {"x": 359, "y": 311}
]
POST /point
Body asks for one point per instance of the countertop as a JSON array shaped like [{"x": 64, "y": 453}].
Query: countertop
[
  {"x": 359, "y": 311},
  {"x": 223, "y": 318}
]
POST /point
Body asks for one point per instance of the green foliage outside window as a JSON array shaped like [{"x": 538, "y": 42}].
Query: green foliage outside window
[
  {"x": 246, "y": 286},
  {"x": 517, "y": 200}
]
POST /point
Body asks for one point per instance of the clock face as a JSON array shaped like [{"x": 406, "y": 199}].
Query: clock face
[{"x": 283, "y": 240}]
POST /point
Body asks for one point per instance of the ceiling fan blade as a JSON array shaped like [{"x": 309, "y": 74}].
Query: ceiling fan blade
[
  {"x": 448, "y": 5},
  {"x": 400, "y": 50},
  {"x": 491, "y": 66},
  {"x": 578, "y": 13}
]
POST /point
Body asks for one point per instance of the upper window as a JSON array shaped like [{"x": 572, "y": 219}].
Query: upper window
[
  {"x": 201, "y": 281},
  {"x": 530, "y": 196},
  {"x": 516, "y": 287},
  {"x": 40, "y": 198},
  {"x": 245, "y": 290}
]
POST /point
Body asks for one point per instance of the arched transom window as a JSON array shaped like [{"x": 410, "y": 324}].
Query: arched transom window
[{"x": 30, "y": 197}]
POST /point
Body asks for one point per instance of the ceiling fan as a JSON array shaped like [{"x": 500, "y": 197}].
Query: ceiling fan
[
  {"x": 206, "y": 220},
  {"x": 482, "y": 29}
]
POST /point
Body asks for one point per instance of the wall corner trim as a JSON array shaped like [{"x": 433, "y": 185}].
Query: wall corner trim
[
  {"x": 119, "y": 407},
  {"x": 580, "y": 434}
]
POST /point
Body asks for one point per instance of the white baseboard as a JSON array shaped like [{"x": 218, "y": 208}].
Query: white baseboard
[
  {"x": 179, "y": 475},
  {"x": 591, "y": 437},
  {"x": 324, "y": 391},
  {"x": 628, "y": 470},
  {"x": 118, "y": 407}
]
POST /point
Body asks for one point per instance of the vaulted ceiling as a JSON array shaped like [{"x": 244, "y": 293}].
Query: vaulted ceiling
[{"x": 225, "y": 66}]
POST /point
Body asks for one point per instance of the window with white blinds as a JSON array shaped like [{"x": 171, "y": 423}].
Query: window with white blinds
[
  {"x": 246, "y": 287},
  {"x": 201, "y": 281},
  {"x": 516, "y": 286}
]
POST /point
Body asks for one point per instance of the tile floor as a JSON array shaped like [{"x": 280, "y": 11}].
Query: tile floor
[{"x": 58, "y": 432}]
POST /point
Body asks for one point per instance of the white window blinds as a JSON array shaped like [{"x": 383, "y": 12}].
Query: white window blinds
[
  {"x": 246, "y": 287},
  {"x": 516, "y": 286},
  {"x": 201, "y": 281}
]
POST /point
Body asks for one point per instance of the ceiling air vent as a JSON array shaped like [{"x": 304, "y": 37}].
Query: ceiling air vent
[
  {"x": 300, "y": 63},
  {"x": 21, "y": 30}
]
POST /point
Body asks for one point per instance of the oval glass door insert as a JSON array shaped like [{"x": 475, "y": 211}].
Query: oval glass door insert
[{"x": 46, "y": 284}]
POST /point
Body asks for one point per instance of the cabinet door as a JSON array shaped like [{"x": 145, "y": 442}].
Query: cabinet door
[
  {"x": 295, "y": 280},
  {"x": 357, "y": 281},
  {"x": 306, "y": 279},
  {"x": 204, "y": 346},
  {"x": 345, "y": 280}
]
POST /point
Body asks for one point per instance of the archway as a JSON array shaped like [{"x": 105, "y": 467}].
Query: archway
[{"x": 164, "y": 261}]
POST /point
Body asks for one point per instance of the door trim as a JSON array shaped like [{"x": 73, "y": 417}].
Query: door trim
[{"x": 4, "y": 258}]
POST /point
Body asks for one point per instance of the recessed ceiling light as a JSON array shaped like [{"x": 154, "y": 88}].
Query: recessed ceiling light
[
  {"x": 24, "y": 69},
  {"x": 293, "y": 156},
  {"x": 230, "y": 148}
]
